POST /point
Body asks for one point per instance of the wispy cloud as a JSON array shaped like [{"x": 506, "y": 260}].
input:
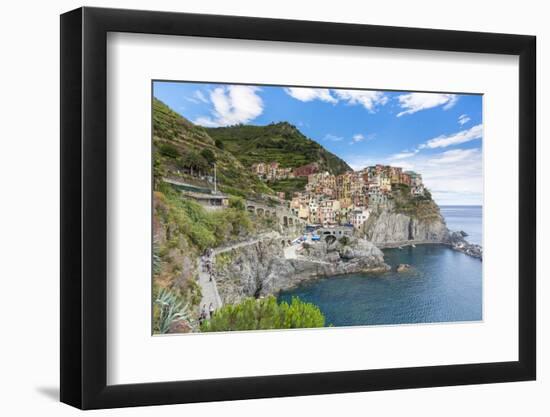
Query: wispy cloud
[
  {"x": 453, "y": 177},
  {"x": 453, "y": 156},
  {"x": 370, "y": 100},
  {"x": 310, "y": 94},
  {"x": 197, "y": 97},
  {"x": 333, "y": 138},
  {"x": 463, "y": 119},
  {"x": 404, "y": 154},
  {"x": 415, "y": 102},
  {"x": 233, "y": 104},
  {"x": 359, "y": 137},
  {"x": 463, "y": 136}
]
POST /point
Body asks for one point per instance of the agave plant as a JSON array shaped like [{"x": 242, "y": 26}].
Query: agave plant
[{"x": 171, "y": 310}]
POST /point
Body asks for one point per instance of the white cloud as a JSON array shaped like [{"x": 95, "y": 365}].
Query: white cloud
[
  {"x": 200, "y": 96},
  {"x": 451, "y": 157},
  {"x": 368, "y": 99},
  {"x": 359, "y": 137},
  {"x": 333, "y": 138},
  {"x": 415, "y": 102},
  {"x": 453, "y": 177},
  {"x": 233, "y": 104},
  {"x": 404, "y": 154},
  {"x": 197, "y": 97},
  {"x": 309, "y": 94},
  {"x": 463, "y": 136},
  {"x": 463, "y": 119}
]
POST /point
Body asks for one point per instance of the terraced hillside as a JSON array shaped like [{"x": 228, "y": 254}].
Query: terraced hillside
[
  {"x": 187, "y": 152},
  {"x": 276, "y": 142}
]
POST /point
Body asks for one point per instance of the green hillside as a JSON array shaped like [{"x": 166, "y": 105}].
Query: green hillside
[
  {"x": 276, "y": 142},
  {"x": 187, "y": 152}
]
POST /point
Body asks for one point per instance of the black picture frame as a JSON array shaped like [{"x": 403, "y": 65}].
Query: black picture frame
[{"x": 84, "y": 207}]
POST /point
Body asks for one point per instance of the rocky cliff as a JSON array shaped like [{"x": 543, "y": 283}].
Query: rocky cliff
[
  {"x": 392, "y": 226},
  {"x": 389, "y": 228},
  {"x": 261, "y": 269}
]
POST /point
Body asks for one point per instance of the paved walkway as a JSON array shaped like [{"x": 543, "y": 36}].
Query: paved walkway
[
  {"x": 209, "y": 288},
  {"x": 291, "y": 252}
]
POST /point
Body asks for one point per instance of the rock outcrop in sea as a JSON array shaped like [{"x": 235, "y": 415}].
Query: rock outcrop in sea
[{"x": 460, "y": 244}]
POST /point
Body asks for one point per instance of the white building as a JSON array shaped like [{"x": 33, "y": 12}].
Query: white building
[{"x": 358, "y": 217}]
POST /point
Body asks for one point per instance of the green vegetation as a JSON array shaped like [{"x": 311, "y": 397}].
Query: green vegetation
[
  {"x": 201, "y": 228},
  {"x": 276, "y": 142},
  {"x": 288, "y": 186},
  {"x": 219, "y": 144},
  {"x": 186, "y": 151},
  {"x": 223, "y": 259},
  {"x": 237, "y": 203},
  {"x": 208, "y": 156},
  {"x": 264, "y": 314},
  {"x": 183, "y": 230},
  {"x": 170, "y": 151},
  {"x": 421, "y": 207},
  {"x": 169, "y": 310}
]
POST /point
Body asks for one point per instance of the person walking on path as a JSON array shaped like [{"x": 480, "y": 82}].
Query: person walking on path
[
  {"x": 202, "y": 316},
  {"x": 211, "y": 310}
]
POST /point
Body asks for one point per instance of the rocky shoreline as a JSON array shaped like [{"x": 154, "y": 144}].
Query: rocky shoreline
[
  {"x": 389, "y": 229},
  {"x": 458, "y": 243},
  {"x": 261, "y": 269}
]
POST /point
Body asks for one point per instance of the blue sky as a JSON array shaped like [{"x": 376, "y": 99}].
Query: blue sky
[{"x": 436, "y": 134}]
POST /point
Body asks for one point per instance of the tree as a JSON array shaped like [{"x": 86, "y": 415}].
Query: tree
[
  {"x": 219, "y": 144},
  {"x": 194, "y": 162},
  {"x": 265, "y": 313},
  {"x": 209, "y": 156}
]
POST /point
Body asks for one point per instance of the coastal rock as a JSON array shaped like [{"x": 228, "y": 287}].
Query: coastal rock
[
  {"x": 458, "y": 243},
  {"x": 261, "y": 269},
  {"x": 403, "y": 267},
  {"x": 389, "y": 228}
]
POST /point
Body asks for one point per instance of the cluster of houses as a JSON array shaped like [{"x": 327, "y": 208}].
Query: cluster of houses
[
  {"x": 350, "y": 197},
  {"x": 271, "y": 171}
]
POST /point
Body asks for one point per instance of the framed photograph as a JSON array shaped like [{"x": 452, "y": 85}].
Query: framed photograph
[{"x": 256, "y": 208}]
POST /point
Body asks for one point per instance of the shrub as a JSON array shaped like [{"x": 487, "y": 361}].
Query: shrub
[
  {"x": 344, "y": 240},
  {"x": 263, "y": 314},
  {"x": 209, "y": 156},
  {"x": 168, "y": 150},
  {"x": 219, "y": 144},
  {"x": 237, "y": 203},
  {"x": 156, "y": 258},
  {"x": 201, "y": 228}
]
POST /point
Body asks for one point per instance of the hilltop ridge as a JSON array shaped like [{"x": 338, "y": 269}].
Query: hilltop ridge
[
  {"x": 186, "y": 152},
  {"x": 279, "y": 142}
]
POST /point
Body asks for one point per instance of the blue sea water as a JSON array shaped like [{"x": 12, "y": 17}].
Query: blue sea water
[
  {"x": 443, "y": 285},
  {"x": 466, "y": 218}
]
